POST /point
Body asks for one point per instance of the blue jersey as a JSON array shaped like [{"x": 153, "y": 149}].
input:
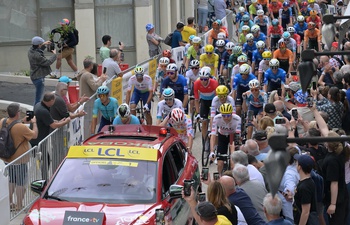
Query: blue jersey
[
  {"x": 241, "y": 85},
  {"x": 133, "y": 120},
  {"x": 274, "y": 81},
  {"x": 248, "y": 48},
  {"x": 108, "y": 111},
  {"x": 261, "y": 37},
  {"x": 225, "y": 58},
  {"x": 257, "y": 57},
  {"x": 179, "y": 86},
  {"x": 258, "y": 102},
  {"x": 239, "y": 16},
  {"x": 300, "y": 29},
  {"x": 286, "y": 14}
]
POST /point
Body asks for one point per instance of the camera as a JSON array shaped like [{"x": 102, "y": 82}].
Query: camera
[
  {"x": 30, "y": 115},
  {"x": 51, "y": 46}
]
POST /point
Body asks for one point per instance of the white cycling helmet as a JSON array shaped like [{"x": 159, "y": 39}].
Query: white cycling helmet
[
  {"x": 241, "y": 9},
  {"x": 260, "y": 44},
  {"x": 205, "y": 71},
  {"x": 229, "y": 45},
  {"x": 242, "y": 59},
  {"x": 221, "y": 35},
  {"x": 274, "y": 62},
  {"x": 300, "y": 18},
  {"x": 194, "y": 63},
  {"x": 171, "y": 67},
  {"x": 124, "y": 110},
  {"x": 291, "y": 29},
  {"x": 244, "y": 69},
  {"x": 220, "y": 43},
  {"x": 245, "y": 28},
  {"x": 168, "y": 93},
  {"x": 164, "y": 61},
  {"x": 254, "y": 84},
  {"x": 196, "y": 40},
  {"x": 254, "y": 1},
  {"x": 260, "y": 12},
  {"x": 255, "y": 28},
  {"x": 249, "y": 37}
]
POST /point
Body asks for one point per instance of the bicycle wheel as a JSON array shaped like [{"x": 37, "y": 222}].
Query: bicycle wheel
[
  {"x": 205, "y": 150},
  {"x": 194, "y": 123}
]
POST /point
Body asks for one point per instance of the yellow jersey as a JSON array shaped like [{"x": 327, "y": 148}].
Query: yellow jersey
[{"x": 211, "y": 61}]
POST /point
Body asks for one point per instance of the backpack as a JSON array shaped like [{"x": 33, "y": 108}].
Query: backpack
[
  {"x": 7, "y": 147},
  {"x": 169, "y": 39},
  {"x": 76, "y": 34}
]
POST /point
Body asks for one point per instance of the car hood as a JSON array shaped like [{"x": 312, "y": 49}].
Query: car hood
[{"x": 52, "y": 212}]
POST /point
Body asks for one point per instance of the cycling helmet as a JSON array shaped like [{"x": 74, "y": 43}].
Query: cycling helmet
[
  {"x": 164, "y": 61},
  {"x": 311, "y": 25},
  {"x": 177, "y": 115},
  {"x": 245, "y": 18},
  {"x": 219, "y": 22},
  {"x": 196, "y": 40},
  {"x": 168, "y": 93},
  {"x": 255, "y": 29},
  {"x": 245, "y": 28},
  {"x": 220, "y": 43},
  {"x": 254, "y": 1},
  {"x": 205, "y": 71},
  {"x": 249, "y": 37},
  {"x": 191, "y": 37},
  {"x": 229, "y": 45},
  {"x": 167, "y": 53},
  {"x": 291, "y": 29},
  {"x": 286, "y": 35},
  {"x": 260, "y": 12},
  {"x": 267, "y": 54},
  {"x": 237, "y": 50},
  {"x": 139, "y": 70},
  {"x": 304, "y": 4},
  {"x": 300, "y": 18},
  {"x": 226, "y": 108},
  {"x": 285, "y": 4},
  {"x": 254, "y": 84},
  {"x": 194, "y": 63},
  {"x": 222, "y": 90},
  {"x": 274, "y": 62},
  {"x": 221, "y": 35},
  {"x": 209, "y": 48},
  {"x": 215, "y": 24},
  {"x": 103, "y": 90},
  {"x": 260, "y": 44},
  {"x": 171, "y": 67},
  {"x": 282, "y": 44},
  {"x": 244, "y": 69},
  {"x": 275, "y": 22},
  {"x": 311, "y": 1},
  {"x": 241, "y": 9},
  {"x": 313, "y": 13},
  {"x": 124, "y": 110},
  {"x": 242, "y": 59},
  {"x": 149, "y": 27}
]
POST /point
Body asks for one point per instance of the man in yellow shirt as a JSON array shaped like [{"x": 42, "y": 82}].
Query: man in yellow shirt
[{"x": 188, "y": 30}]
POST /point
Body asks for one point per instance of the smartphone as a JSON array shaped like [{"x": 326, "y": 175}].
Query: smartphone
[
  {"x": 104, "y": 70},
  {"x": 30, "y": 115},
  {"x": 280, "y": 121},
  {"x": 250, "y": 115},
  {"x": 187, "y": 187},
  {"x": 295, "y": 114},
  {"x": 205, "y": 172},
  {"x": 308, "y": 91},
  {"x": 279, "y": 91},
  {"x": 237, "y": 138},
  {"x": 293, "y": 73},
  {"x": 310, "y": 101},
  {"x": 160, "y": 216},
  {"x": 201, "y": 197},
  {"x": 216, "y": 176},
  {"x": 314, "y": 86}
]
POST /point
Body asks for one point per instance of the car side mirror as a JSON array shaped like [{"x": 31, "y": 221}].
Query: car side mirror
[
  {"x": 175, "y": 191},
  {"x": 38, "y": 186}
]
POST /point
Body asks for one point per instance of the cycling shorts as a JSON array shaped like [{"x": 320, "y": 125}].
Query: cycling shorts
[
  {"x": 239, "y": 100},
  {"x": 136, "y": 96},
  {"x": 223, "y": 142},
  {"x": 205, "y": 108}
]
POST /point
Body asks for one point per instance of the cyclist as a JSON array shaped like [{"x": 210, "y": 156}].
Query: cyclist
[
  {"x": 262, "y": 21},
  {"x": 167, "y": 53},
  {"x": 255, "y": 100},
  {"x": 187, "y": 46},
  {"x": 285, "y": 57},
  {"x": 213, "y": 33},
  {"x": 236, "y": 51},
  {"x": 245, "y": 31},
  {"x": 182, "y": 123},
  {"x": 291, "y": 44},
  {"x": 224, "y": 126},
  {"x": 194, "y": 51},
  {"x": 264, "y": 64},
  {"x": 285, "y": 17},
  {"x": 161, "y": 72},
  {"x": 240, "y": 85},
  {"x": 296, "y": 37},
  {"x": 225, "y": 58},
  {"x": 241, "y": 13},
  {"x": 253, "y": 9},
  {"x": 314, "y": 6},
  {"x": 274, "y": 77},
  {"x": 124, "y": 116},
  {"x": 107, "y": 106},
  {"x": 220, "y": 48},
  {"x": 210, "y": 59},
  {"x": 220, "y": 98},
  {"x": 167, "y": 104},
  {"x": 245, "y": 21},
  {"x": 142, "y": 84},
  {"x": 258, "y": 36},
  {"x": 305, "y": 10},
  {"x": 191, "y": 76},
  {"x": 249, "y": 47},
  {"x": 301, "y": 26},
  {"x": 314, "y": 18},
  {"x": 274, "y": 9},
  {"x": 257, "y": 56},
  {"x": 204, "y": 92},
  {"x": 177, "y": 82},
  {"x": 242, "y": 59},
  {"x": 274, "y": 34},
  {"x": 312, "y": 37}
]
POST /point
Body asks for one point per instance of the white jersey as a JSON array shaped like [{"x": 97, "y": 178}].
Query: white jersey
[
  {"x": 143, "y": 87},
  {"x": 191, "y": 77},
  {"x": 263, "y": 66},
  {"x": 215, "y": 105},
  {"x": 291, "y": 44},
  {"x": 220, "y": 126},
  {"x": 163, "y": 109},
  {"x": 183, "y": 129}
]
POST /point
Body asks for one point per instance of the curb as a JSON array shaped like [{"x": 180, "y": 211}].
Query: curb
[{"x": 23, "y": 107}]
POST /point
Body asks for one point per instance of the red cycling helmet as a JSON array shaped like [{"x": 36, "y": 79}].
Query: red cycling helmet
[{"x": 167, "y": 53}]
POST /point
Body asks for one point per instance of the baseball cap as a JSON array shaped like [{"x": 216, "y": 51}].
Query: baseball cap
[
  {"x": 260, "y": 135},
  {"x": 301, "y": 97},
  {"x": 65, "y": 21},
  {"x": 270, "y": 108},
  {"x": 149, "y": 26},
  {"x": 206, "y": 210},
  {"x": 37, "y": 40},
  {"x": 305, "y": 161},
  {"x": 294, "y": 86},
  {"x": 65, "y": 79}
]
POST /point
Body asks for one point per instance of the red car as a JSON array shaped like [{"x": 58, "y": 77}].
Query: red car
[{"x": 124, "y": 175}]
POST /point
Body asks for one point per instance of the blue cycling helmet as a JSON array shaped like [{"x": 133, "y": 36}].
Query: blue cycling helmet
[
  {"x": 102, "y": 90},
  {"x": 286, "y": 35},
  {"x": 275, "y": 22},
  {"x": 191, "y": 37},
  {"x": 149, "y": 26},
  {"x": 285, "y": 4},
  {"x": 219, "y": 22},
  {"x": 245, "y": 18},
  {"x": 168, "y": 93}
]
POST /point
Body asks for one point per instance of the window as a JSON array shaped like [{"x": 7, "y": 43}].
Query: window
[
  {"x": 178, "y": 157},
  {"x": 115, "y": 18}
]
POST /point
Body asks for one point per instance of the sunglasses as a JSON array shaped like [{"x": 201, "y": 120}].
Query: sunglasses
[
  {"x": 195, "y": 68},
  {"x": 254, "y": 89},
  {"x": 170, "y": 73},
  {"x": 226, "y": 115},
  {"x": 261, "y": 49},
  {"x": 204, "y": 79},
  {"x": 267, "y": 59},
  {"x": 139, "y": 75},
  {"x": 274, "y": 67},
  {"x": 222, "y": 96},
  {"x": 209, "y": 53},
  {"x": 168, "y": 99}
]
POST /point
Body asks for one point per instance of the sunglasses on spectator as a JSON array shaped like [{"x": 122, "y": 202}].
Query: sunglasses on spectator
[
  {"x": 204, "y": 79},
  {"x": 170, "y": 73},
  {"x": 195, "y": 68},
  {"x": 226, "y": 115}
]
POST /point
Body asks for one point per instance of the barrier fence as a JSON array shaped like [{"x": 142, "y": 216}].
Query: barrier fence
[{"x": 40, "y": 162}]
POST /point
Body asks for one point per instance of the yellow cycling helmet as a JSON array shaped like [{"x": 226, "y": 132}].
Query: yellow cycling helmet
[
  {"x": 221, "y": 90},
  {"x": 311, "y": 1},
  {"x": 209, "y": 48},
  {"x": 267, "y": 54},
  {"x": 226, "y": 108}
]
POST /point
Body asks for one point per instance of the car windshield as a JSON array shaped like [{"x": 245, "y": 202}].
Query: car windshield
[{"x": 116, "y": 181}]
